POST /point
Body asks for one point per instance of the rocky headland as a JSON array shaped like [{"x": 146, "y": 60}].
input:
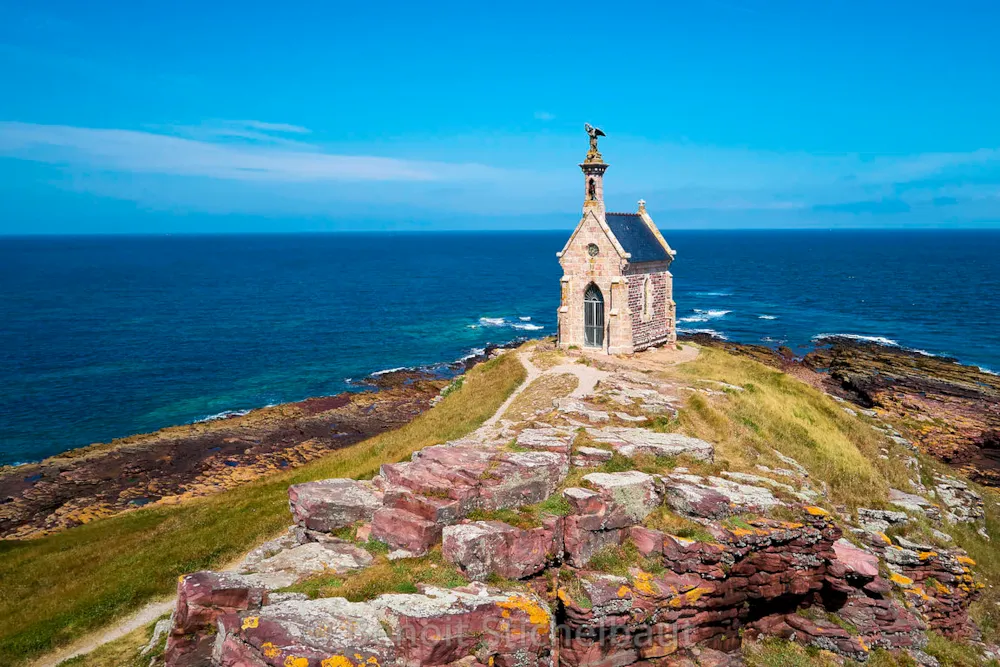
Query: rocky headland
[
  {"x": 178, "y": 463},
  {"x": 598, "y": 530}
]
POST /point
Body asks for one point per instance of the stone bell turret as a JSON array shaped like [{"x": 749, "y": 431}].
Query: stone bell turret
[{"x": 593, "y": 168}]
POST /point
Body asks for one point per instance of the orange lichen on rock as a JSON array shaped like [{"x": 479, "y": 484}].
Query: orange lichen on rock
[{"x": 537, "y": 614}]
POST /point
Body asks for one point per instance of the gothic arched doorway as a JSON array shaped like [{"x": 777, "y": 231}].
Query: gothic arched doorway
[{"x": 593, "y": 317}]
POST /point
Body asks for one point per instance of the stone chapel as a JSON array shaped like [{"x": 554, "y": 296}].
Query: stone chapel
[{"x": 617, "y": 289}]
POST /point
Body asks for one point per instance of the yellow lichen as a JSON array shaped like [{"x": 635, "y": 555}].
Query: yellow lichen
[
  {"x": 884, "y": 538},
  {"x": 695, "y": 593},
  {"x": 924, "y": 555},
  {"x": 900, "y": 579},
  {"x": 250, "y": 622},
  {"x": 271, "y": 651},
  {"x": 817, "y": 511},
  {"x": 965, "y": 560},
  {"x": 624, "y": 591},
  {"x": 644, "y": 583},
  {"x": 537, "y": 614},
  {"x": 295, "y": 661},
  {"x": 941, "y": 588}
]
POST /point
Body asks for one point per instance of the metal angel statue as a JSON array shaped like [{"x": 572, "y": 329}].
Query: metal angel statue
[{"x": 594, "y": 132}]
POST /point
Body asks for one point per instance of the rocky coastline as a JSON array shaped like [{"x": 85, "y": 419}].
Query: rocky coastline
[
  {"x": 179, "y": 463},
  {"x": 949, "y": 410}
]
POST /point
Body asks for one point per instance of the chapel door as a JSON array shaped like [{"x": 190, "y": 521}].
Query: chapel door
[{"x": 593, "y": 317}]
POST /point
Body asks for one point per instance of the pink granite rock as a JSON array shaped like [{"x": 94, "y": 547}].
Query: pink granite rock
[
  {"x": 585, "y": 457},
  {"x": 647, "y": 541},
  {"x": 203, "y": 598},
  {"x": 441, "y": 627},
  {"x": 857, "y": 562},
  {"x": 634, "y": 494},
  {"x": 332, "y": 503},
  {"x": 404, "y": 530},
  {"x": 633, "y": 441},
  {"x": 580, "y": 544},
  {"x": 481, "y": 548},
  {"x": 306, "y": 633}
]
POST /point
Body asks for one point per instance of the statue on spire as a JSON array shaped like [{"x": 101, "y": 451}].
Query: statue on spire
[{"x": 593, "y": 155}]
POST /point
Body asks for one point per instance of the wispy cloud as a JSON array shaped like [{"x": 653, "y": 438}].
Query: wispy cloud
[
  {"x": 151, "y": 152},
  {"x": 262, "y": 166},
  {"x": 270, "y": 127}
]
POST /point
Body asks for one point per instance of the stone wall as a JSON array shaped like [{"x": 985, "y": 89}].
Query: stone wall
[{"x": 658, "y": 328}]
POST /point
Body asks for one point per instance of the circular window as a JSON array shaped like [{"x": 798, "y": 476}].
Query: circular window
[{"x": 592, "y": 250}]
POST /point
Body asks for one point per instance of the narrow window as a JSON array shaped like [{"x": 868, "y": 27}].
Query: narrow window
[{"x": 647, "y": 299}]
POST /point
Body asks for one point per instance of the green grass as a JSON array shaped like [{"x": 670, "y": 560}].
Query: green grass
[
  {"x": 955, "y": 654},
  {"x": 58, "y": 588},
  {"x": 776, "y": 410},
  {"x": 772, "y": 652},
  {"x": 385, "y": 576},
  {"x": 525, "y": 517}
]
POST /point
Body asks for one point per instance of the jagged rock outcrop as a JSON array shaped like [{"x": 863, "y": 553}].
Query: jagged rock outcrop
[{"x": 576, "y": 572}]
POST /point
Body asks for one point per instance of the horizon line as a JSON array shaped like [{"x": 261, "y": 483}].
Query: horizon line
[{"x": 40, "y": 235}]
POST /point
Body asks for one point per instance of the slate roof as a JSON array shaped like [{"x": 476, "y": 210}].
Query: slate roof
[{"x": 636, "y": 237}]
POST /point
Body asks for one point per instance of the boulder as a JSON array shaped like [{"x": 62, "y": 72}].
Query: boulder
[
  {"x": 441, "y": 626},
  {"x": 961, "y": 503},
  {"x": 522, "y": 478},
  {"x": 715, "y": 497},
  {"x": 580, "y": 543},
  {"x": 332, "y": 503},
  {"x": 878, "y": 521},
  {"x": 304, "y": 560},
  {"x": 585, "y": 457},
  {"x": 546, "y": 439},
  {"x": 914, "y": 503},
  {"x": 856, "y": 562},
  {"x": 576, "y": 407},
  {"x": 634, "y": 441},
  {"x": 404, "y": 530},
  {"x": 202, "y": 599},
  {"x": 306, "y": 633},
  {"x": 634, "y": 493},
  {"x": 481, "y": 548}
]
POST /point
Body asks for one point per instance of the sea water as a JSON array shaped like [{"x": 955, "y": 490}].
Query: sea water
[{"x": 102, "y": 337}]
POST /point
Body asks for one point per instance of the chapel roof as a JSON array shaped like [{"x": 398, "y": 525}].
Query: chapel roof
[{"x": 636, "y": 238}]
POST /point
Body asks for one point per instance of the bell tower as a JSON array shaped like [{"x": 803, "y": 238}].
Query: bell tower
[{"x": 593, "y": 168}]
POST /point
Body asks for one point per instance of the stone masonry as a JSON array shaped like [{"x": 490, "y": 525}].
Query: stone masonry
[{"x": 626, "y": 258}]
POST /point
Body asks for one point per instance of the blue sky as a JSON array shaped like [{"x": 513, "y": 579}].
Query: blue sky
[{"x": 248, "y": 116}]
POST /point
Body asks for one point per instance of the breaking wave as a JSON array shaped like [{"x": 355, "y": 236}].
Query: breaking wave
[
  {"x": 523, "y": 323},
  {"x": 704, "y": 315},
  {"x": 767, "y": 317}
]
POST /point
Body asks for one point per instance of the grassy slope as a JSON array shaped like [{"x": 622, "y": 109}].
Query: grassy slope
[
  {"x": 57, "y": 588},
  {"x": 777, "y": 411}
]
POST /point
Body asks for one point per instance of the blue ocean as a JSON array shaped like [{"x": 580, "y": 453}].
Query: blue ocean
[{"x": 103, "y": 337}]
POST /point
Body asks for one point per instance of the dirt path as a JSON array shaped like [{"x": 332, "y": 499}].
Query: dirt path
[{"x": 144, "y": 616}]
